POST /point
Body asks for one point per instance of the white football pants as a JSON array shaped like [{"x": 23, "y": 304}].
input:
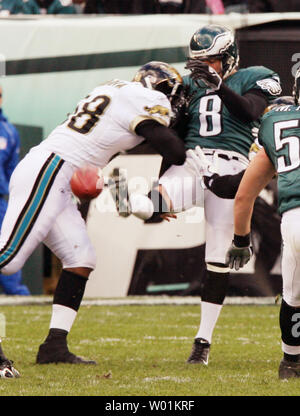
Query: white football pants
[
  {"x": 290, "y": 230},
  {"x": 41, "y": 209},
  {"x": 184, "y": 189}
]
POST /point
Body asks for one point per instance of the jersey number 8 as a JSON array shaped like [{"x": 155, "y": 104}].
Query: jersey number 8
[{"x": 210, "y": 108}]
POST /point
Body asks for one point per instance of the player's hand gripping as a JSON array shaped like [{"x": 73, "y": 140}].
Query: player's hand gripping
[
  {"x": 202, "y": 71},
  {"x": 200, "y": 164},
  {"x": 239, "y": 252}
]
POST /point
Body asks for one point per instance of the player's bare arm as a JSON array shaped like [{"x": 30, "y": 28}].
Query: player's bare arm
[{"x": 257, "y": 176}]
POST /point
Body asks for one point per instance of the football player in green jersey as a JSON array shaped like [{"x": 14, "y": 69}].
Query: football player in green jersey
[
  {"x": 279, "y": 134},
  {"x": 226, "y": 102}
]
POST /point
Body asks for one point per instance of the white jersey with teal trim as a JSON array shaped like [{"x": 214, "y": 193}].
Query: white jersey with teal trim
[
  {"x": 103, "y": 123},
  {"x": 41, "y": 207}
]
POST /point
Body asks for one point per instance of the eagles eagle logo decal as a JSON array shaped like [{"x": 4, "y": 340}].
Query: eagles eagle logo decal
[{"x": 271, "y": 85}]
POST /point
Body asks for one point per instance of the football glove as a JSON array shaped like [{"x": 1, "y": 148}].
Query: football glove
[
  {"x": 237, "y": 256},
  {"x": 202, "y": 71},
  {"x": 199, "y": 164},
  {"x": 224, "y": 186}
]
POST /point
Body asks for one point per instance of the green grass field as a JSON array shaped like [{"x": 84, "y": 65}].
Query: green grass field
[{"x": 141, "y": 351}]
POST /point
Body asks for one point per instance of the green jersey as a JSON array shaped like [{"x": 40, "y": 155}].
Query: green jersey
[
  {"x": 56, "y": 7},
  {"x": 280, "y": 135},
  {"x": 12, "y": 6},
  {"x": 210, "y": 123}
]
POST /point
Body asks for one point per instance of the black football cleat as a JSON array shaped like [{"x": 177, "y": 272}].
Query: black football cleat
[
  {"x": 49, "y": 354},
  {"x": 288, "y": 369},
  {"x": 7, "y": 370},
  {"x": 118, "y": 187},
  {"x": 200, "y": 352}
]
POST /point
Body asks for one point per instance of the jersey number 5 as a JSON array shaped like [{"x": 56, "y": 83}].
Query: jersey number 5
[
  {"x": 87, "y": 115},
  {"x": 292, "y": 161}
]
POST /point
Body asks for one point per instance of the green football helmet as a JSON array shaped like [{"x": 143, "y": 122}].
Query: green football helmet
[{"x": 218, "y": 42}]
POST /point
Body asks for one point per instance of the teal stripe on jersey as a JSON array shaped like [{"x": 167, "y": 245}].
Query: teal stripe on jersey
[{"x": 29, "y": 215}]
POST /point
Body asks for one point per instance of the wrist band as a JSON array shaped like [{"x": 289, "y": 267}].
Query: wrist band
[{"x": 241, "y": 240}]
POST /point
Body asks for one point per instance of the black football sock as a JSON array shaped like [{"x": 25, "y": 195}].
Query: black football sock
[
  {"x": 215, "y": 287},
  {"x": 70, "y": 289},
  {"x": 289, "y": 325},
  {"x": 292, "y": 358}
]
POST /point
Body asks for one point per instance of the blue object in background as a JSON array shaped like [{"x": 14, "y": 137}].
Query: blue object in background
[{"x": 9, "y": 158}]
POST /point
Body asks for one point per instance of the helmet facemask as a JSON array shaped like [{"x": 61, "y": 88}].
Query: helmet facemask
[
  {"x": 175, "y": 93},
  {"x": 229, "y": 64}
]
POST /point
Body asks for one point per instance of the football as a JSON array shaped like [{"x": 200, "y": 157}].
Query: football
[{"x": 87, "y": 182}]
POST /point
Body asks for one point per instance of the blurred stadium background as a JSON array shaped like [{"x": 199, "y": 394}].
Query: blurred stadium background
[{"x": 52, "y": 62}]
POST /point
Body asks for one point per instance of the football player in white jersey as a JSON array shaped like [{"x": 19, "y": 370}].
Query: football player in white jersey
[{"x": 114, "y": 117}]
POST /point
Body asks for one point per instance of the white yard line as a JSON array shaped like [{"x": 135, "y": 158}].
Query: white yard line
[{"x": 139, "y": 300}]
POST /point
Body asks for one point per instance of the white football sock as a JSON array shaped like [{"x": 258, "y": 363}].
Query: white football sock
[
  {"x": 209, "y": 316},
  {"x": 141, "y": 206},
  {"x": 62, "y": 317},
  {"x": 290, "y": 349}
]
